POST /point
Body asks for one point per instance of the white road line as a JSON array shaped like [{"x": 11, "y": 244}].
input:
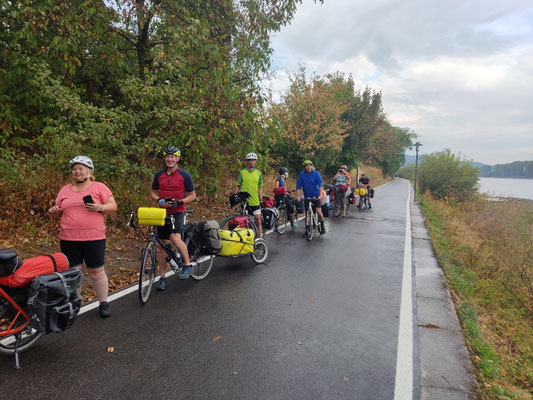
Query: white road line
[{"x": 403, "y": 387}]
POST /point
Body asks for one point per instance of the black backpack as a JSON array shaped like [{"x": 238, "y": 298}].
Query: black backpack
[
  {"x": 209, "y": 237},
  {"x": 53, "y": 300}
]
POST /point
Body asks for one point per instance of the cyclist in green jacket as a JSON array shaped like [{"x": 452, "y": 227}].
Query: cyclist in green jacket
[{"x": 251, "y": 181}]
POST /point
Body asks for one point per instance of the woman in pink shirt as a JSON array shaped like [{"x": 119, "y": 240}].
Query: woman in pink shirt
[{"x": 82, "y": 206}]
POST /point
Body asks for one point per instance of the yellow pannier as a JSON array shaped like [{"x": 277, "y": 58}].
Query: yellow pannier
[
  {"x": 360, "y": 191},
  {"x": 236, "y": 242},
  {"x": 151, "y": 216}
]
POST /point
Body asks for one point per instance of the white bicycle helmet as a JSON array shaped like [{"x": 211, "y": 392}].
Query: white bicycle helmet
[
  {"x": 251, "y": 156},
  {"x": 82, "y": 160}
]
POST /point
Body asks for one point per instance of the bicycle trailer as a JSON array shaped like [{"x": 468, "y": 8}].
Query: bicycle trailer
[
  {"x": 151, "y": 216},
  {"x": 237, "y": 242}
]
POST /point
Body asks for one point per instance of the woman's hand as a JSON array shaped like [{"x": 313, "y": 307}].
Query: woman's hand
[
  {"x": 56, "y": 210},
  {"x": 94, "y": 207}
]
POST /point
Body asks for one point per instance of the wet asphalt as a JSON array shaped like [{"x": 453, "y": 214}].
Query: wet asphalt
[{"x": 318, "y": 320}]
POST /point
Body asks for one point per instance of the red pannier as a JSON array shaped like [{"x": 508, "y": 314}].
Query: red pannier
[
  {"x": 280, "y": 191},
  {"x": 268, "y": 202},
  {"x": 238, "y": 222},
  {"x": 343, "y": 188},
  {"x": 32, "y": 267}
]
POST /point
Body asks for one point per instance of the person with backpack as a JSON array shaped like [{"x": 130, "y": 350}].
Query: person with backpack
[
  {"x": 281, "y": 182},
  {"x": 82, "y": 206},
  {"x": 251, "y": 180},
  {"x": 174, "y": 183}
]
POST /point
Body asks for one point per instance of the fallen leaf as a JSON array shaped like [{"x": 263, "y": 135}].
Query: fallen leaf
[
  {"x": 186, "y": 294},
  {"x": 216, "y": 338},
  {"x": 314, "y": 301},
  {"x": 110, "y": 349},
  {"x": 346, "y": 379}
]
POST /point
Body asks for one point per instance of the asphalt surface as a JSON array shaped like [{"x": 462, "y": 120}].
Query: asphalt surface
[{"x": 318, "y": 320}]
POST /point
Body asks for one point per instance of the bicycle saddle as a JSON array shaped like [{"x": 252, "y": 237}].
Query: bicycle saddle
[{"x": 7, "y": 255}]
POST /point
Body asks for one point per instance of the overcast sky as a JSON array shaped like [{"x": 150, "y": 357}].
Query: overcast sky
[{"x": 457, "y": 72}]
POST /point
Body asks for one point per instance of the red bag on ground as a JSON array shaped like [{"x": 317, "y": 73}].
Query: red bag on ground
[{"x": 35, "y": 266}]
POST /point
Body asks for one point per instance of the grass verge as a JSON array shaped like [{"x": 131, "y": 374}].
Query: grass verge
[{"x": 484, "y": 248}]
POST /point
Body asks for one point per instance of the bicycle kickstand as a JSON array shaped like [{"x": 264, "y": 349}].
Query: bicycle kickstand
[{"x": 17, "y": 340}]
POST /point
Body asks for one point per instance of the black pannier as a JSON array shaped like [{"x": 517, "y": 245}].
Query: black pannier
[
  {"x": 209, "y": 236},
  {"x": 54, "y": 301},
  {"x": 371, "y": 193},
  {"x": 9, "y": 262},
  {"x": 270, "y": 217}
]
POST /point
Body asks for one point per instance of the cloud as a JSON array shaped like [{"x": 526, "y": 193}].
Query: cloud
[{"x": 460, "y": 74}]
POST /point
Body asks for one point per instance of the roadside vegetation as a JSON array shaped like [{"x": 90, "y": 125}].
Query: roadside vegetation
[{"x": 484, "y": 248}]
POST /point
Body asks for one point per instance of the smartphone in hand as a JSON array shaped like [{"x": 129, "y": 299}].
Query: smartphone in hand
[{"x": 88, "y": 199}]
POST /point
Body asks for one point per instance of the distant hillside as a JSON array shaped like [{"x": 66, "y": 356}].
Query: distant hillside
[{"x": 516, "y": 169}]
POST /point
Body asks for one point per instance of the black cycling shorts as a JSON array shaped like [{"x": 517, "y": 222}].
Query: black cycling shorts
[
  {"x": 316, "y": 203},
  {"x": 164, "y": 231},
  {"x": 91, "y": 251}
]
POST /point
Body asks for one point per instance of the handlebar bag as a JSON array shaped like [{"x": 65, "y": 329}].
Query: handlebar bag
[
  {"x": 53, "y": 300},
  {"x": 237, "y": 242},
  {"x": 151, "y": 216},
  {"x": 209, "y": 234},
  {"x": 35, "y": 266},
  {"x": 343, "y": 187}
]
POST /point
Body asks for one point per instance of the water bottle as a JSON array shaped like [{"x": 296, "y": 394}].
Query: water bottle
[{"x": 173, "y": 264}]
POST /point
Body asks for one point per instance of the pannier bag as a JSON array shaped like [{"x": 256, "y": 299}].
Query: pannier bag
[
  {"x": 325, "y": 210},
  {"x": 236, "y": 198},
  {"x": 360, "y": 191},
  {"x": 280, "y": 191},
  {"x": 151, "y": 216},
  {"x": 239, "y": 222},
  {"x": 343, "y": 187},
  {"x": 209, "y": 234},
  {"x": 53, "y": 300},
  {"x": 35, "y": 266},
  {"x": 352, "y": 198},
  {"x": 371, "y": 192},
  {"x": 270, "y": 217},
  {"x": 9, "y": 262},
  {"x": 236, "y": 242}
]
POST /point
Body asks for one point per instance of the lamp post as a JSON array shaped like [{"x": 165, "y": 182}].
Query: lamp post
[{"x": 417, "y": 145}]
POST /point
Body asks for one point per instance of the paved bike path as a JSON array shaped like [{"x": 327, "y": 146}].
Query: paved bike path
[{"x": 319, "y": 320}]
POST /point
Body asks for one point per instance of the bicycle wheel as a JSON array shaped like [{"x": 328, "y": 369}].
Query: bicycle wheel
[
  {"x": 309, "y": 224},
  {"x": 28, "y": 337},
  {"x": 260, "y": 253},
  {"x": 281, "y": 223},
  {"x": 148, "y": 271},
  {"x": 338, "y": 207},
  {"x": 202, "y": 264}
]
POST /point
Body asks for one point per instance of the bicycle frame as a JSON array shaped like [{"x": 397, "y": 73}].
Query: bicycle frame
[{"x": 20, "y": 313}]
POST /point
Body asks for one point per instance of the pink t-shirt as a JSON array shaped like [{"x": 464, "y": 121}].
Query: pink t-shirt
[{"x": 77, "y": 223}]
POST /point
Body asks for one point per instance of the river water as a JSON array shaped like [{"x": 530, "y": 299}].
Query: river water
[{"x": 507, "y": 187}]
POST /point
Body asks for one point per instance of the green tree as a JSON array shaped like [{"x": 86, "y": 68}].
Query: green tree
[
  {"x": 387, "y": 147},
  {"x": 444, "y": 174}
]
